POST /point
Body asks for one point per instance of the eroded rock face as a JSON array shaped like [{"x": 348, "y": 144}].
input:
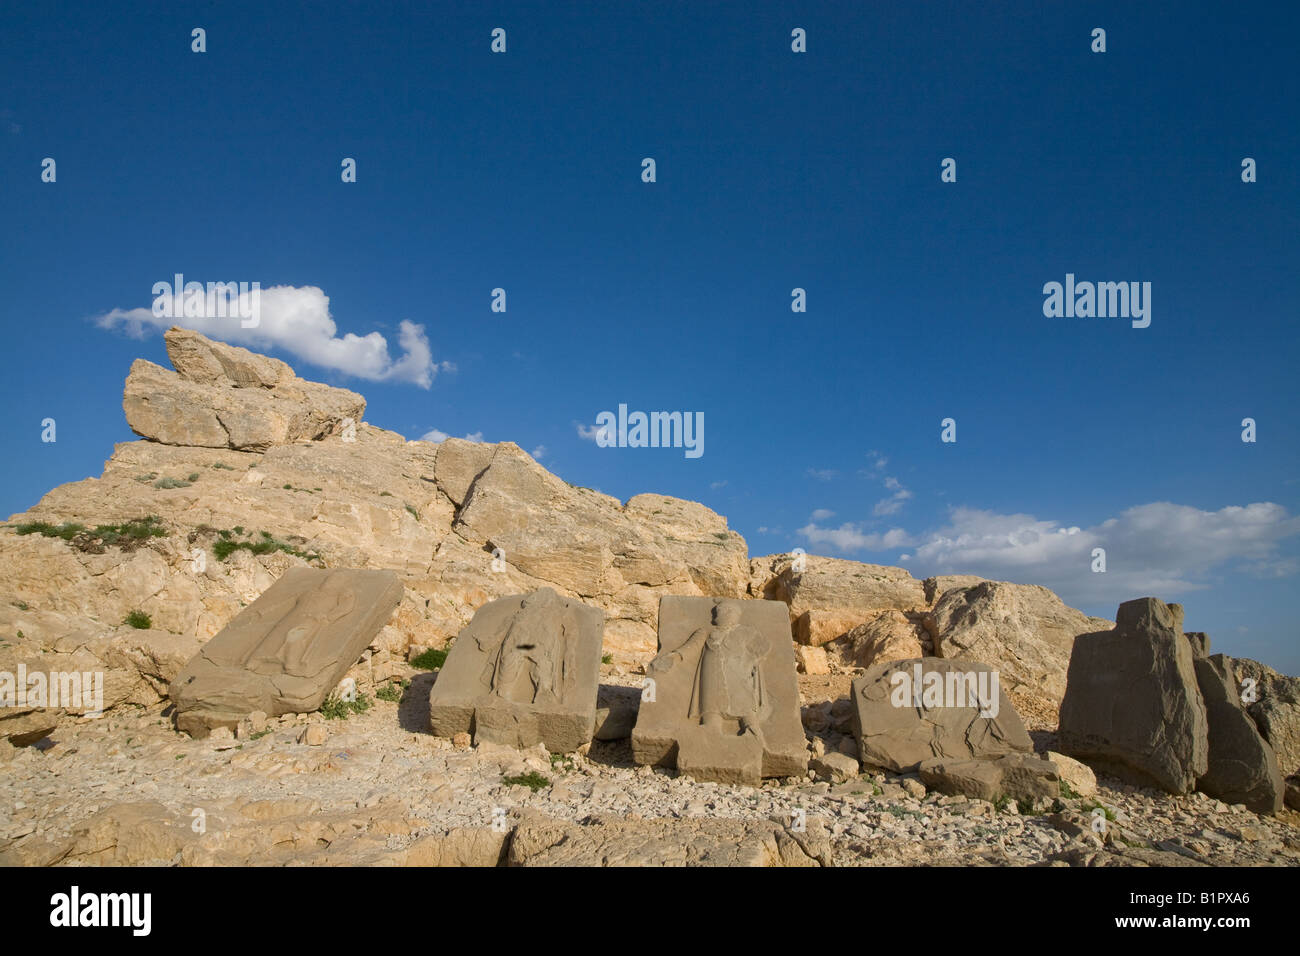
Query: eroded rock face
[
  {"x": 223, "y": 396},
  {"x": 1242, "y": 766},
  {"x": 828, "y": 597},
  {"x": 524, "y": 672},
  {"x": 1016, "y": 776},
  {"x": 1024, "y": 631},
  {"x": 1132, "y": 706},
  {"x": 287, "y": 650},
  {"x": 897, "y": 730},
  {"x": 1275, "y": 709},
  {"x": 726, "y": 704}
]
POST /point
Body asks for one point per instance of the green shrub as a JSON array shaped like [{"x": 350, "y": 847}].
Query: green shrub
[
  {"x": 139, "y": 620},
  {"x": 533, "y": 780},
  {"x": 171, "y": 483},
  {"x": 336, "y": 708},
  {"x": 430, "y": 660},
  {"x": 392, "y": 691}
]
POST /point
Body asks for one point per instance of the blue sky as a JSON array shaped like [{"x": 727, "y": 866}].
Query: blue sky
[{"x": 775, "y": 170}]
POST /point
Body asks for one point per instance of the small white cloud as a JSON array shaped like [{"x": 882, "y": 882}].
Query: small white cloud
[
  {"x": 590, "y": 432},
  {"x": 716, "y": 485},
  {"x": 539, "y": 452},
  {"x": 850, "y": 537},
  {"x": 298, "y": 320},
  {"x": 823, "y": 474},
  {"x": 434, "y": 435},
  {"x": 821, "y": 514},
  {"x": 474, "y": 436}
]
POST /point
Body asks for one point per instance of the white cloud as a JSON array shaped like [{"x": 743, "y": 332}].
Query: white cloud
[
  {"x": 438, "y": 435},
  {"x": 821, "y": 514},
  {"x": 298, "y": 320},
  {"x": 850, "y": 537},
  {"x": 539, "y": 452},
  {"x": 718, "y": 485},
  {"x": 589, "y": 432},
  {"x": 1160, "y": 549},
  {"x": 823, "y": 474}
]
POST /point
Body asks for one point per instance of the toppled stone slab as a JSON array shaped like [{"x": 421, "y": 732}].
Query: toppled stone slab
[
  {"x": 286, "y": 651},
  {"x": 223, "y": 396},
  {"x": 1242, "y": 766},
  {"x": 725, "y": 701},
  {"x": 906, "y": 712},
  {"x": 1132, "y": 705},
  {"x": 705, "y": 841},
  {"x": 1017, "y": 776},
  {"x": 525, "y": 671}
]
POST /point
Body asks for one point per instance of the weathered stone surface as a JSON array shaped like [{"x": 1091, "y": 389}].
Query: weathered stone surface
[
  {"x": 1024, "y": 631},
  {"x": 891, "y": 636},
  {"x": 937, "y": 586},
  {"x": 1132, "y": 706},
  {"x": 1075, "y": 774},
  {"x": 811, "y": 660},
  {"x": 524, "y": 672},
  {"x": 834, "y": 766},
  {"x": 1016, "y": 776},
  {"x": 831, "y": 596},
  {"x": 222, "y": 396},
  {"x": 539, "y": 841},
  {"x": 900, "y": 738},
  {"x": 1275, "y": 708},
  {"x": 1242, "y": 766},
  {"x": 616, "y": 710},
  {"x": 287, "y": 650},
  {"x": 726, "y": 704}
]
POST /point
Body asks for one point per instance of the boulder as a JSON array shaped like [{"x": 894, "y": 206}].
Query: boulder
[
  {"x": 828, "y": 597},
  {"x": 961, "y": 713},
  {"x": 223, "y": 396},
  {"x": 286, "y": 651},
  {"x": 525, "y": 671},
  {"x": 1074, "y": 774},
  {"x": 811, "y": 660},
  {"x": 1132, "y": 705},
  {"x": 1018, "y": 776},
  {"x": 1274, "y": 706},
  {"x": 1242, "y": 766},
  {"x": 891, "y": 636},
  {"x": 724, "y": 704},
  {"x": 1024, "y": 631}
]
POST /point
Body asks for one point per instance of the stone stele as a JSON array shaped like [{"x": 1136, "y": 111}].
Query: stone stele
[
  {"x": 287, "y": 650},
  {"x": 525, "y": 671},
  {"x": 724, "y": 702}
]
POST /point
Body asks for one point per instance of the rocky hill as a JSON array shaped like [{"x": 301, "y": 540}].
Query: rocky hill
[{"x": 244, "y": 470}]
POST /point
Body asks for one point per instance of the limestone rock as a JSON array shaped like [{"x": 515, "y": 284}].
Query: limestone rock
[
  {"x": 539, "y": 841},
  {"x": 222, "y": 396},
  {"x": 1132, "y": 705},
  {"x": 1275, "y": 709},
  {"x": 524, "y": 672},
  {"x": 834, "y": 766},
  {"x": 1018, "y": 776},
  {"x": 1242, "y": 766},
  {"x": 811, "y": 660},
  {"x": 725, "y": 702},
  {"x": 1024, "y": 631},
  {"x": 895, "y": 734},
  {"x": 831, "y": 596},
  {"x": 287, "y": 650},
  {"x": 891, "y": 636},
  {"x": 1074, "y": 774}
]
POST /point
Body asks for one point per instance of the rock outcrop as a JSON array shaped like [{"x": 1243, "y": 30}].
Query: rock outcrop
[
  {"x": 223, "y": 396},
  {"x": 1242, "y": 766}
]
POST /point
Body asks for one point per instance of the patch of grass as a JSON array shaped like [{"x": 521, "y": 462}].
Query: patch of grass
[
  {"x": 430, "y": 660},
  {"x": 385, "y": 494},
  {"x": 139, "y": 620},
  {"x": 607, "y": 658},
  {"x": 336, "y": 708},
  {"x": 900, "y": 812},
  {"x": 224, "y": 467},
  {"x": 171, "y": 483},
  {"x": 67, "y": 531},
  {"x": 1091, "y": 805},
  {"x": 180, "y": 756},
  {"x": 288, "y": 487},
  {"x": 192, "y": 476},
  {"x": 21, "y": 605},
  {"x": 414, "y": 514},
  {"x": 561, "y": 763},
  {"x": 392, "y": 692},
  {"x": 533, "y": 780},
  {"x": 1067, "y": 792},
  {"x": 266, "y": 543},
  {"x": 259, "y": 734},
  {"x": 1000, "y": 802}
]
